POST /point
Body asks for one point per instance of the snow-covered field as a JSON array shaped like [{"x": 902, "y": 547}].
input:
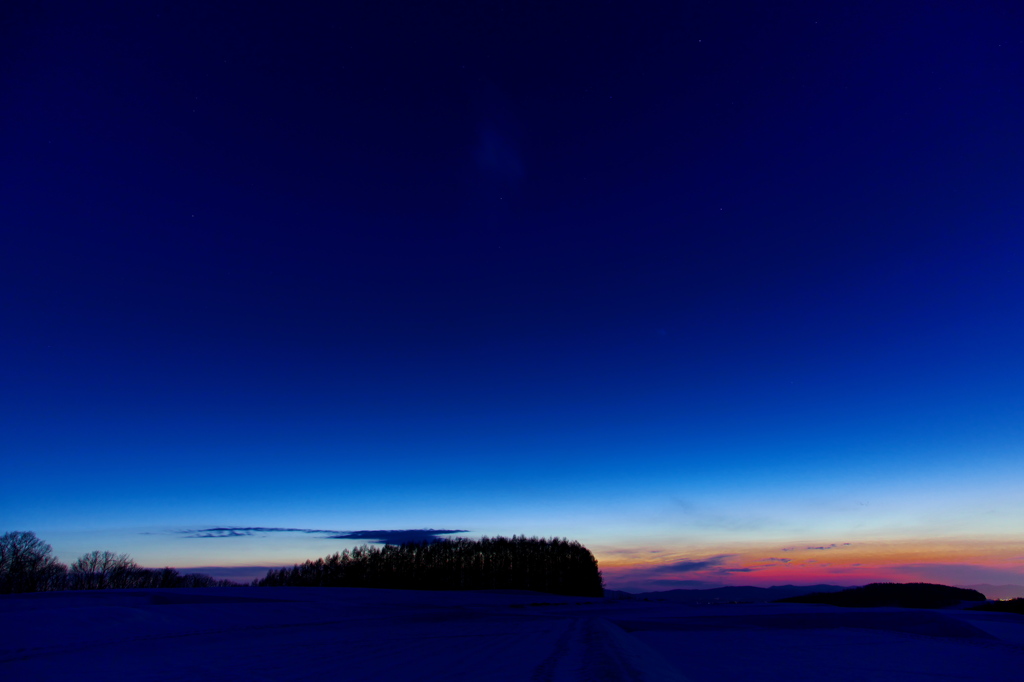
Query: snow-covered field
[{"x": 291, "y": 633}]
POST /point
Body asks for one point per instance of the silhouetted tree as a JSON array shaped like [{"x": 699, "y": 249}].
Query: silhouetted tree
[
  {"x": 27, "y": 564},
  {"x": 103, "y": 570}
]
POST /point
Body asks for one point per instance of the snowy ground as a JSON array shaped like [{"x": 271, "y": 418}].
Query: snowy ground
[{"x": 352, "y": 634}]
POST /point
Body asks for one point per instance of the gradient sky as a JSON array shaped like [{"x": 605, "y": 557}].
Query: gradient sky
[{"x": 703, "y": 285}]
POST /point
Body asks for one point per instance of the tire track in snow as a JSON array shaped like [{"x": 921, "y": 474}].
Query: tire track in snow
[{"x": 594, "y": 650}]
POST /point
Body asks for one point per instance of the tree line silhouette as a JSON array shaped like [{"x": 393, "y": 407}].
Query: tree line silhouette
[
  {"x": 553, "y": 565},
  {"x": 1015, "y": 605},
  {"x": 27, "y": 564}
]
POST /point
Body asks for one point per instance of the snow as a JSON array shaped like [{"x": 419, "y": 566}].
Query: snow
[{"x": 290, "y": 633}]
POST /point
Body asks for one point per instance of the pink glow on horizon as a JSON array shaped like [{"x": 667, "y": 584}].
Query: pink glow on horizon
[{"x": 951, "y": 562}]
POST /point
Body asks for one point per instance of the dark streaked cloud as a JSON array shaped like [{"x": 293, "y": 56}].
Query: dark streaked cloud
[
  {"x": 246, "y": 531},
  {"x": 220, "y": 534},
  {"x": 386, "y": 537},
  {"x": 396, "y": 537},
  {"x": 688, "y": 566}
]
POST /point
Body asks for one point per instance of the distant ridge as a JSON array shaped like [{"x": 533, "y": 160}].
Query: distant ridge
[
  {"x": 724, "y": 595},
  {"x": 727, "y": 595},
  {"x": 997, "y": 591},
  {"x": 904, "y": 595}
]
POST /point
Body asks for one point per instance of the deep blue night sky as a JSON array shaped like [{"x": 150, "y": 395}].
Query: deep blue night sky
[{"x": 659, "y": 276}]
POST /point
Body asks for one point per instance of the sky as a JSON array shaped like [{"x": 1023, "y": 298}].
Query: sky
[{"x": 730, "y": 292}]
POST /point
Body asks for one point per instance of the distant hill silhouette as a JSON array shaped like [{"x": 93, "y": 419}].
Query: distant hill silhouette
[
  {"x": 619, "y": 594},
  {"x": 728, "y": 595},
  {"x": 997, "y": 591},
  {"x": 905, "y": 595}
]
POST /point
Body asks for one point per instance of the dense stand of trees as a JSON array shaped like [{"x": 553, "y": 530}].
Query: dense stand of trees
[
  {"x": 27, "y": 564},
  {"x": 906, "y": 595},
  {"x": 545, "y": 565}
]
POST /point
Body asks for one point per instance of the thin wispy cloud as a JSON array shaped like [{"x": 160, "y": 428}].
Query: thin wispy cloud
[
  {"x": 702, "y": 517},
  {"x": 834, "y": 545},
  {"x": 631, "y": 552},
  {"x": 962, "y": 574},
  {"x": 683, "y": 584}
]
